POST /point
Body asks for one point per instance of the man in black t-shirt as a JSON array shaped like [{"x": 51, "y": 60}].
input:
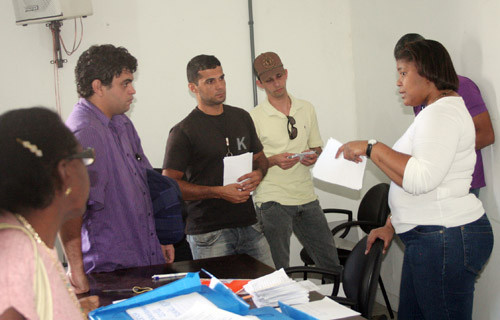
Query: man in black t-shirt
[{"x": 220, "y": 220}]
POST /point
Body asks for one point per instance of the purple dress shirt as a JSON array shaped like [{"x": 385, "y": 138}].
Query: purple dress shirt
[
  {"x": 118, "y": 228},
  {"x": 475, "y": 104}
]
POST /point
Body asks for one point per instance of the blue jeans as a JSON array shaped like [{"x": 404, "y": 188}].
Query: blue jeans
[
  {"x": 440, "y": 267},
  {"x": 224, "y": 242},
  {"x": 309, "y": 224}
]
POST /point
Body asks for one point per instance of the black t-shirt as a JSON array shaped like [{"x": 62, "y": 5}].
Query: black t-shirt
[{"x": 197, "y": 147}]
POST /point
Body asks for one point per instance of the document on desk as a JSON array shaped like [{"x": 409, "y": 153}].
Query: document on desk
[
  {"x": 237, "y": 166},
  {"x": 189, "y": 306},
  {"x": 339, "y": 171},
  {"x": 276, "y": 278},
  {"x": 326, "y": 309},
  {"x": 274, "y": 287}
]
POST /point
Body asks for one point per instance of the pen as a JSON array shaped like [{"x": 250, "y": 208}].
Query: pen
[
  {"x": 135, "y": 289},
  {"x": 169, "y": 276}
]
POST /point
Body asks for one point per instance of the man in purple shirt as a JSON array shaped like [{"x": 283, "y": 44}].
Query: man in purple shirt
[
  {"x": 477, "y": 109},
  {"x": 117, "y": 230}
]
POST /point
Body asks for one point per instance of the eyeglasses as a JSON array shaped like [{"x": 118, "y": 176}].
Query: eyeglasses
[
  {"x": 87, "y": 156},
  {"x": 292, "y": 131}
]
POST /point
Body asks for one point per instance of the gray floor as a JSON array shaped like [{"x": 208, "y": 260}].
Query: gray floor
[{"x": 380, "y": 309}]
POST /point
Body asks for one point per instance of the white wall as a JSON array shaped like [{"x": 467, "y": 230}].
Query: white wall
[
  {"x": 479, "y": 51},
  {"x": 164, "y": 36},
  {"x": 313, "y": 40},
  {"x": 338, "y": 54}
]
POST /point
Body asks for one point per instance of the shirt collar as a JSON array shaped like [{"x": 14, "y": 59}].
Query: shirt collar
[
  {"x": 272, "y": 111},
  {"x": 115, "y": 121}
]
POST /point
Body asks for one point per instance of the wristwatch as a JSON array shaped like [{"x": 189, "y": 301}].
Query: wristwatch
[{"x": 371, "y": 143}]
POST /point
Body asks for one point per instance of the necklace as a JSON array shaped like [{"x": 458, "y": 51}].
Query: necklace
[
  {"x": 443, "y": 94},
  {"x": 55, "y": 261},
  {"x": 220, "y": 122}
]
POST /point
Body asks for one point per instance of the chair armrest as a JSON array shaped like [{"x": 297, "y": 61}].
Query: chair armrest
[
  {"x": 344, "y": 301},
  {"x": 331, "y": 274},
  {"x": 342, "y": 211},
  {"x": 349, "y": 224}
]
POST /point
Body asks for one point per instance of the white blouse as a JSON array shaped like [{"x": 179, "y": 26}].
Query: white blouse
[{"x": 437, "y": 177}]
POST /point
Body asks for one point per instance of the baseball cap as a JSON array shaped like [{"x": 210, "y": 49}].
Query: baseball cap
[{"x": 267, "y": 64}]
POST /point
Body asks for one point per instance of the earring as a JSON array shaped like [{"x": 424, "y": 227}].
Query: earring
[{"x": 68, "y": 191}]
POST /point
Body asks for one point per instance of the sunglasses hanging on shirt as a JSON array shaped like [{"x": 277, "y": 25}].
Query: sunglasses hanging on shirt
[{"x": 292, "y": 131}]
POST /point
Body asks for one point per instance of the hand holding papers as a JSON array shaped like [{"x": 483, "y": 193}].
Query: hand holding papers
[
  {"x": 339, "y": 171},
  {"x": 237, "y": 166}
]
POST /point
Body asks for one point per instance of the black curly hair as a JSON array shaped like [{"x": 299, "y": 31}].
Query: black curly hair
[
  {"x": 29, "y": 180},
  {"x": 102, "y": 62},
  {"x": 200, "y": 63}
]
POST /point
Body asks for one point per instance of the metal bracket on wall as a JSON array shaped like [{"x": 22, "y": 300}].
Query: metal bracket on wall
[{"x": 55, "y": 27}]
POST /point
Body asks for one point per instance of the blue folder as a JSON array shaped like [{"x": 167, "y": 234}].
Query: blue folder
[
  {"x": 220, "y": 296},
  {"x": 269, "y": 313}
]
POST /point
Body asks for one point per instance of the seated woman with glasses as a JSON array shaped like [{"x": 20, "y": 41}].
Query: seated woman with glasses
[{"x": 43, "y": 183}]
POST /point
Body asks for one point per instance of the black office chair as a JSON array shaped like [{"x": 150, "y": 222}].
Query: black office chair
[
  {"x": 372, "y": 213},
  {"x": 359, "y": 278}
]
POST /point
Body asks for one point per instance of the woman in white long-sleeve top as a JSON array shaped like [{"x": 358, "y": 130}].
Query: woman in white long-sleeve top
[{"x": 447, "y": 235}]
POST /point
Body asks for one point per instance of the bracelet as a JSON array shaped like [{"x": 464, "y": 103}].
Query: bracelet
[
  {"x": 369, "y": 147},
  {"x": 369, "y": 150}
]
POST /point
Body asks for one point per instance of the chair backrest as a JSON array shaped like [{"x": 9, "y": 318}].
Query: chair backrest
[
  {"x": 374, "y": 206},
  {"x": 360, "y": 276}
]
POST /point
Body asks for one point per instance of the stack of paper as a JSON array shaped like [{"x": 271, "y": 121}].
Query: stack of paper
[{"x": 277, "y": 286}]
